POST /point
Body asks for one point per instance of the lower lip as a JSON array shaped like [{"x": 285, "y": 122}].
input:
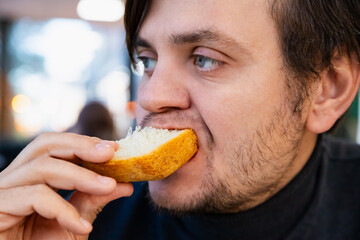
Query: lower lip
[
  {"x": 185, "y": 167},
  {"x": 192, "y": 159}
]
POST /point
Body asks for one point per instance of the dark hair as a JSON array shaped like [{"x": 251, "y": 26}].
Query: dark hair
[
  {"x": 311, "y": 32},
  {"x": 135, "y": 12}
]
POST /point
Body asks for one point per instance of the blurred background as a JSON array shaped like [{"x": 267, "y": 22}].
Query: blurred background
[
  {"x": 56, "y": 57},
  {"x": 59, "y": 57}
]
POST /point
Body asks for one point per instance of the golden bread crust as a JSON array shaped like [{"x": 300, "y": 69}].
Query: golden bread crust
[{"x": 155, "y": 165}]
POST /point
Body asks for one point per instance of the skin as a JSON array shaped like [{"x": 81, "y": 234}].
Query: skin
[{"x": 251, "y": 144}]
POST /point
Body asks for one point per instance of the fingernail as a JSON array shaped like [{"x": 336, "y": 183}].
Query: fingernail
[
  {"x": 85, "y": 223},
  {"x": 103, "y": 146},
  {"x": 105, "y": 180}
]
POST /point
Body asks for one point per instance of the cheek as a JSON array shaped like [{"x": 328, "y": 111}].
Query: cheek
[
  {"x": 221, "y": 114},
  {"x": 224, "y": 110},
  {"x": 236, "y": 112},
  {"x": 140, "y": 112}
]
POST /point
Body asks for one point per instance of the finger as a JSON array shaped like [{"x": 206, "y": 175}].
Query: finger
[
  {"x": 89, "y": 206},
  {"x": 24, "y": 201},
  {"x": 7, "y": 221},
  {"x": 68, "y": 146},
  {"x": 57, "y": 174}
]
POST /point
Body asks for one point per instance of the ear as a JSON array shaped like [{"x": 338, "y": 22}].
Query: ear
[{"x": 334, "y": 95}]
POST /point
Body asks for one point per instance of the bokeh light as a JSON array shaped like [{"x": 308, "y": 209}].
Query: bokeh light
[
  {"x": 21, "y": 103},
  {"x": 101, "y": 10}
]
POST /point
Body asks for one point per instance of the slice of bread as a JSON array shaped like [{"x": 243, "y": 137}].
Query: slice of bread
[{"x": 148, "y": 154}]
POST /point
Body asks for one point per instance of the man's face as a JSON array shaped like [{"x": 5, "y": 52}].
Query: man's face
[{"x": 216, "y": 67}]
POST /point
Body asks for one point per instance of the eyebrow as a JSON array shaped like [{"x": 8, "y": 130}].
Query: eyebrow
[
  {"x": 205, "y": 35},
  {"x": 210, "y": 37},
  {"x": 140, "y": 42}
]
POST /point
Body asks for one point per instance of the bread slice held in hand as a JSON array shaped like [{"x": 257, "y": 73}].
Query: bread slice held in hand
[{"x": 148, "y": 154}]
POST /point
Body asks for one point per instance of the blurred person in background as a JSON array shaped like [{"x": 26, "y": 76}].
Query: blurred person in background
[
  {"x": 259, "y": 82},
  {"x": 95, "y": 120}
]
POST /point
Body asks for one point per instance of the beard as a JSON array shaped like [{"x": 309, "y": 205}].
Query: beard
[
  {"x": 251, "y": 167},
  {"x": 254, "y": 168}
]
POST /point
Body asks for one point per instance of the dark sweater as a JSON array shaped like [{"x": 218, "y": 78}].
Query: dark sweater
[{"x": 321, "y": 202}]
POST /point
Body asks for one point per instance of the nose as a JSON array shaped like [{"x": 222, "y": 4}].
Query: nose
[{"x": 165, "y": 90}]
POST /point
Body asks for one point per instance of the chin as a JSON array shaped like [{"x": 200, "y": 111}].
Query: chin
[
  {"x": 179, "y": 191},
  {"x": 172, "y": 202},
  {"x": 185, "y": 190},
  {"x": 169, "y": 193}
]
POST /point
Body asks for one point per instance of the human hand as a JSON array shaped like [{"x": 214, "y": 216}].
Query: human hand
[{"x": 30, "y": 208}]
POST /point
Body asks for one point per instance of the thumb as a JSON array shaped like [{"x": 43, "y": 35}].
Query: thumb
[{"x": 89, "y": 206}]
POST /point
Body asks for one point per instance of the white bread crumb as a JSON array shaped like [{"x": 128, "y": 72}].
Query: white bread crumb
[{"x": 142, "y": 141}]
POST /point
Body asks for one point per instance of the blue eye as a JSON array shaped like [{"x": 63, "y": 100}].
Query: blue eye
[
  {"x": 149, "y": 63},
  {"x": 206, "y": 63}
]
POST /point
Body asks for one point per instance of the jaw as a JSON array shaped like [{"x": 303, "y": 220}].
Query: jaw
[
  {"x": 178, "y": 191},
  {"x": 203, "y": 184}
]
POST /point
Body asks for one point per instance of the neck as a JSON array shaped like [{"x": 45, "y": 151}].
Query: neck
[
  {"x": 306, "y": 147},
  {"x": 301, "y": 157}
]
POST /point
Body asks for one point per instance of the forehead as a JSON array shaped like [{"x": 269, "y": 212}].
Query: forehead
[{"x": 245, "y": 20}]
